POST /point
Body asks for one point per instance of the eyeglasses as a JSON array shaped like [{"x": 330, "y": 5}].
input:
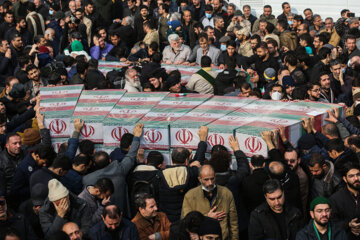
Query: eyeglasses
[{"x": 2, "y": 202}]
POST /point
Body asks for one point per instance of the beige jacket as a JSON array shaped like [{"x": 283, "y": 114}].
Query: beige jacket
[
  {"x": 87, "y": 22},
  {"x": 152, "y": 36},
  {"x": 198, "y": 84},
  {"x": 245, "y": 49},
  {"x": 224, "y": 201}
]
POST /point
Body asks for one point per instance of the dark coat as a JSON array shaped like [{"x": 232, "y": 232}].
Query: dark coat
[
  {"x": 72, "y": 181},
  {"x": 118, "y": 154},
  {"x": 26, "y": 209},
  {"x": 7, "y": 67},
  {"x": 93, "y": 78},
  {"x": 18, "y": 222},
  {"x": 262, "y": 223},
  {"x": 127, "y": 231},
  {"x": 308, "y": 232},
  {"x": 78, "y": 212},
  {"x": 8, "y": 165},
  {"x": 43, "y": 175}
]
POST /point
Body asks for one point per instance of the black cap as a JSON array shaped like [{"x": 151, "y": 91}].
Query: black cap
[
  {"x": 210, "y": 226},
  {"x": 39, "y": 193}
]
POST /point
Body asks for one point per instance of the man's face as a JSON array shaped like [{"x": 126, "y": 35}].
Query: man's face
[
  {"x": 11, "y": 84},
  {"x": 155, "y": 82},
  {"x": 261, "y": 52},
  {"x": 207, "y": 179},
  {"x": 3, "y": 207},
  {"x": 175, "y": 44},
  {"x": 89, "y": 8},
  {"x": 79, "y": 15},
  {"x": 187, "y": 16},
  {"x": 112, "y": 224},
  {"x": 114, "y": 40},
  {"x": 247, "y": 12},
  {"x": 350, "y": 44},
  {"x": 329, "y": 24},
  {"x": 276, "y": 89},
  {"x": 336, "y": 70},
  {"x": 101, "y": 42},
  {"x": 203, "y": 44},
  {"x": 176, "y": 88},
  {"x": 262, "y": 26},
  {"x": 275, "y": 200},
  {"x": 352, "y": 179},
  {"x": 318, "y": 22},
  {"x": 9, "y": 18},
  {"x": 321, "y": 214},
  {"x": 34, "y": 74},
  {"x": 317, "y": 171},
  {"x": 103, "y": 33},
  {"x": 144, "y": 12},
  {"x": 230, "y": 10},
  {"x": 217, "y": 5},
  {"x": 271, "y": 48},
  {"x": 220, "y": 23},
  {"x": 73, "y": 231},
  {"x": 37, "y": 3},
  {"x": 2, "y": 108},
  {"x": 300, "y": 30},
  {"x": 57, "y": 202},
  {"x": 39, "y": 161},
  {"x": 231, "y": 50},
  {"x": 245, "y": 92},
  {"x": 354, "y": 24},
  {"x": 4, "y": 46},
  {"x": 3, "y": 128},
  {"x": 325, "y": 81},
  {"x": 286, "y": 9},
  {"x": 289, "y": 90},
  {"x": 151, "y": 209},
  {"x": 317, "y": 43},
  {"x": 42, "y": 42},
  {"x": 17, "y": 42},
  {"x": 253, "y": 43},
  {"x": 291, "y": 159},
  {"x": 267, "y": 12},
  {"x": 22, "y": 24},
  {"x": 14, "y": 145},
  {"x": 308, "y": 15},
  {"x": 211, "y": 33},
  {"x": 196, "y": 2},
  {"x": 72, "y": 6}
]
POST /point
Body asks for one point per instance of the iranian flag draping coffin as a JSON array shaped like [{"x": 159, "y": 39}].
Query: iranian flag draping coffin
[
  {"x": 105, "y": 66},
  {"x": 58, "y": 104},
  {"x": 170, "y": 109},
  {"x": 93, "y": 106},
  {"x": 126, "y": 113},
  {"x": 184, "y": 131}
]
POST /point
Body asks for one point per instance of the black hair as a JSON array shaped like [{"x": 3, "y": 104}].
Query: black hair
[
  {"x": 335, "y": 144},
  {"x": 270, "y": 27},
  {"x": 93, "y": 63},
  {"x": 220, "y": 161},
  {"x": 154, "y": 46},
  {"x": 284, "y": 24},
  {"x": 331, "y": 129},
  {"x": 291, "y": 58},
  {"x": 324, "y": 52},
  {"x": 155, "y": 158},
  {"x": 316, "y": 158},
  {"x": 68, "y": 61},
  {"x": 205, "y": 61},
  {"x": 283, "y": 4},
  {"x": 105, "y": 185},
  {"x": 126, "y": 140},
  {"x": 81, "y": 159},
  {"x": 113, "y": 212},
  {"x": 322, "y": 38},
  {"x": 38, "y": 38},
  {"x": 63, "y": 162},
  {"x": 101, "y": 159},
  {"x": 10, "y": 135},
  {"x": 209, "y": 7},
  {"x": 87, "y": 147},
  {"x": 140, "y": 200},
  {"x": 81, "y": 67},
  {"x": 257, "y": 160},
  {"x": 156, "y": 57},
  {"x": 299, "y": 93},
  {"x": 30, "y": 6},
  {"x": 179, "y": 155},
  {"x": 45, "y": 152},
  {"x": 54, "y": 78},
  {"x": 31, "y": 67},
  {"x": 271, "y": 186}
]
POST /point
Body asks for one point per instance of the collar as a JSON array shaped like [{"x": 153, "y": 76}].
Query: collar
[{"x": 207, "y": 69}]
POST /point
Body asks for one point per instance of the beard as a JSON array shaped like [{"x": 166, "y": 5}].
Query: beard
[
  {"x": 134, "y": 83},
  {"x": 355, "y": 185},
  {"x": 323, "y": 224},
  {"x": 208, "y": 188}
]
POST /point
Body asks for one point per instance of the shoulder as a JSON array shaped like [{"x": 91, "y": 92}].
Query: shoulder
[{"x": 194, "y": 192}]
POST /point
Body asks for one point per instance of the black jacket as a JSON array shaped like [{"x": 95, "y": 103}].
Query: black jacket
[
  {"x": 43, "y": 175},
  {"x": 345, "y": 207},
  {"x": 7, "y": 67},
  {"x": 18, "y": 222},
  {"x": 8, "y": 165},
  {"x": 223, "y": 81},
  {"x": 263, "y": 223},
  {"x": 308, "y": 232},
  {"x": 93, "y": 78}
]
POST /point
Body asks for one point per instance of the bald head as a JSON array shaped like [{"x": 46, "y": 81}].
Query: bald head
[
  {"x": 207, "y": 177},
  {"x": 331, "y": 131},
  {"x": 276, "y": 168},
  {"x": 72, "y": 230}
]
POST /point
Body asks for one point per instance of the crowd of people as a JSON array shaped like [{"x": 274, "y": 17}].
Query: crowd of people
[{"x": 304, "y": 190}]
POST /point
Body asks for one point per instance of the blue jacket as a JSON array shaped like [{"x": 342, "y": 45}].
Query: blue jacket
[
  {"x": 127, "y": 231},
  {"x": 21, "y": 180},
  {"x": 117, "y": 154},
  {"x": 72, "y": 181}
]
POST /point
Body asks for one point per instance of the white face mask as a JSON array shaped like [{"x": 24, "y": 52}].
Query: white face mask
[
  {"x": 207, "y": 189},
  {"x": 276, "y": 96},
  {"x": 357, "y": 103}
]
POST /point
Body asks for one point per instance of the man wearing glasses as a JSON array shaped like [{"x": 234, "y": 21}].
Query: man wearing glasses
[{"x": 313, "y": 91}]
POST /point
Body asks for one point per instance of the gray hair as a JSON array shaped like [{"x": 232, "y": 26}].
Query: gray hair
[
  {"x": 129, "y": 20},
  {"x": 175, "y": 16},
  {"x": 329, "y": 18},
  {"x": 49, "y": 31},
  {"x": 316, "y": 16},
  {"x": 217, "y": 18},
  {"x": 129, "y": 71},
  {"x": 291, "y": 15},
  {"x": 173, "y": 37}
]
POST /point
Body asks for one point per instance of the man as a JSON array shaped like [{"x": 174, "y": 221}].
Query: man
[
  {"x": 326, "y": 93},
  {"x": 114, "y": 226},
  {"x": 219, "y": 29},
  {"x": 41, "y": 9},
  {"x": 20, "y": 28},
  {"x": 267, "y": 15},
  {"x": 322, "y": 65},
  {"x": 152, "y": 35},
  {"x": 150, "y": 223},
  {"x": 173, "y": 186},
  {"x": 208, "y": 19},
  {"x": 247, "y": 14},
  {"x": 288, "y": 38},
  {"x": 17, "y": 46},
  {"x": 319, "y": 42},
  {"x": 117, "y": 172},
  {"x": 207, "y": 50},
  {"x": 350, "y": 50},
  {"x": 59, "y": 167},
  {"x": 293, "y": 160},
  {"x": 274, "y": 219},
  {"x": 324, "y": 179},
  {"x": 35, "y": 22},
  {"x": 340, "y": 81},
  {"x": 38, "y": 158},
  {"x": 79, "y": 14},
  {"x": 344, "y": 202},
  {"x": 132, "y": 83},
  {"x": 35, "y": 81},
  {"x": 291, "y": 62},
  {"x": 72, "y": 230},
  {"x": 163, "y": 22},
  {"x": 100, "y": 48},
  {"x": 140, "y": 19},
  {"x": 338, "y": 153},
  {"x": 7, "y": 24},
  {"x": 329, "y": 27},
  {"x": 286, "y": 10},
  {"x": 61, "y": 207},
  {"x": 8, "y": 62},
  {"x": 97, "y": 196},
  {"x": 214, "y": 201},
  {"x": 203, "y": 80},
  {"x": 210, "y": 229},
  {"x": 309, "y": 19},
  {"x": 177, "y": 53},
  {"x": 10, "y": 157},
  {"x": 81, "y": 73},
  {"x": 93, "y": 15},
  {"x": 320, "y": 225},
  {"x": 317, "y": 26}
]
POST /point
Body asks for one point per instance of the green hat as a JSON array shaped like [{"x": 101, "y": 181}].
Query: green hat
[
  {"x": 319, "y": 200},
  {"x": 77, "y": 46}
]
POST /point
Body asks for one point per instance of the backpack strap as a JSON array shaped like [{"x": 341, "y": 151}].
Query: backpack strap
[{"x": 210, "y": 79}]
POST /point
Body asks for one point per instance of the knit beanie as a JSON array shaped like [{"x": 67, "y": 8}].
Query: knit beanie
[
  {"x": 77, "y": 46},
  {"x": 210, "y": 226},
  {"x": 31, "y": 137},
  {"x": 56, "y": 190},
  {"x": 319, "y": 200}
]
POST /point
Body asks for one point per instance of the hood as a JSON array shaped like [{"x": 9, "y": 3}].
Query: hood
[
  {"x": 175, "y": 176},
  {"x": 290, "y": 34},
  {"x": 142, "y": 168},
  {"x": 330, "y": 173}
]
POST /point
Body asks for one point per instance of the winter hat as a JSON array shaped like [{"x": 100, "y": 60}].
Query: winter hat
[
  {"x": 77, "y": 46},
  {"x": 171, "y": 81},
  {"x": 56, "y": 190},
  {"x": 210, "y": 226},
  {"x": 174, "y": 24},
  {"x": 31, "y": 137},
  {"x": 306, "y": 142},
  {"x": 224, "y": 39},
  {"x": 319, "y": 200},
  {"x": 17, "y": 91},
  {"x": 269, "y": 74},
  {"x": 38, "y": 194},
  {"x": 288, "y": 81}
]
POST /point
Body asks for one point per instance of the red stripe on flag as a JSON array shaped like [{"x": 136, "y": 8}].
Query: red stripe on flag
[
  {"x": 71, "y": 95},
  {"x": 101, "y": 113}
]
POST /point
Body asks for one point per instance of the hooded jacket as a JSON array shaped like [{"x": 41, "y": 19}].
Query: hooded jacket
[
  {"x": 288, "y": 39},
  {"x": 270, "y": 19}
]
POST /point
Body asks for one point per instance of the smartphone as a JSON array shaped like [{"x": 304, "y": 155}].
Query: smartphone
[{"x": 350, "y": 15}]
